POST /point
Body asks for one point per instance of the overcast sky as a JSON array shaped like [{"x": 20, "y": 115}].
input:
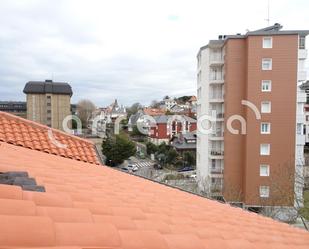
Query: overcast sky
[{"x": 135, "y": 51}]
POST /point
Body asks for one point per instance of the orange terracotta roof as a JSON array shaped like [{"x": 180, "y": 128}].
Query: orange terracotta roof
[
  {"x": 153, "y": 111},
  {"x": 193, "y": 98},
  {"x": 32, "y": 135},
  {"x": 88, "y": 206}
]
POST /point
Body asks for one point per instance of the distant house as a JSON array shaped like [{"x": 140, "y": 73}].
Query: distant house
[
  {"x": 166, "y": 127},
  {"x": 134, "y": 119},
  {"x": 192, "y": 101},
  {"x": 169, "y": 103},
  {"x": 184, "y": 142},
  {"x": 115, "y": 110}
]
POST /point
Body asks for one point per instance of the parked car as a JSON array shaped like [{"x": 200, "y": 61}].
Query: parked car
[
  {"x": 187, "y": 168},
  {"x": 157, "y": 166},
  {"x": 131, "y": 165},
  {"x": 125, "y": 168}
]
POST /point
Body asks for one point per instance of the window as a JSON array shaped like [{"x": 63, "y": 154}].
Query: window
[
  {"x": 265, "y": 149},
  {"x": 267, "y": 42},
  {"x": 302, "y": 42},
  {"x": 266, "y": 64},
  {"x": 213, "y": 163},
  {"x": 266, "y": 107},
  {"x": 264, "y": 191},
  {"x": 264, "y": 170},
  {"x": 265, "y": 128},
  {"x": 266, "y": 85},
  {"x": 299, "y": 129}
]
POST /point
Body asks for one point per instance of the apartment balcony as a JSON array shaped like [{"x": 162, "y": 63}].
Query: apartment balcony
[
  {"x": 216, "y": 78},
  {"x": 300, "y": 139},
  {"x": 216, "y": 171},
  {"x": 301, "y": 97},
  {"x": 218, "y": 136},
  {"x": 218, "y": 114},
  {"x": 216, "y": 99},
  {"x": 302, "y": 76},
  {"x": 216, "y": 154},
  {"x": 217, "y": 61},
  {"x": 301, "y": 118},
  {"x": 302, "y": 54}
]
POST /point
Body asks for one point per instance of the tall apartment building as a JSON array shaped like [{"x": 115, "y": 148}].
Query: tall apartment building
[
  {"x": 257, "y": 167},
  {"x": 48, "y": 102}
]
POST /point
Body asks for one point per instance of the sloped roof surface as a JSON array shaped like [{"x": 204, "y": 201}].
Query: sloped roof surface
[
  {"x": 162, "y": 119},
  {"x": 87, "y": 206},
  {"x": 153, "y": 111},
  {"x": 42, "y": 87},
  {"x": 28, "y": 134}
]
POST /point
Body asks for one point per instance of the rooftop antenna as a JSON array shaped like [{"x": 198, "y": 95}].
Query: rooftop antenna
[{"x": 268, "y": 8}]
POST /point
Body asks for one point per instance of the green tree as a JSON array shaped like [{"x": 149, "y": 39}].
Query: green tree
[
  {"x": 151, "y": 148},
  {"x": 118, "y": 149},
  {"x": 135, "y": 131},
  {"x": 189, "y": 157},
  {"x": 171, "y": 156},
  {"x": 133, "y": 109}
]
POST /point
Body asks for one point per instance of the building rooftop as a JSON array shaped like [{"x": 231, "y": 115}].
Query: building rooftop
[
  {"x": 270, "y": 30},
  {"x": 86, "y": 206},
  {"x": 153, "y": 111},
  {"x": 29, "y": 134},
  {"x": 162, "y": 119},
  {"x": 48, "y": 86}
]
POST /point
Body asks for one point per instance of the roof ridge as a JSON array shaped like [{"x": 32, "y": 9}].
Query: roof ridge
[{"x": 36, "y": 124}]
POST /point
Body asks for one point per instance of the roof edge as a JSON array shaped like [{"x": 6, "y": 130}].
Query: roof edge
[{"x": 35, "y": 124}]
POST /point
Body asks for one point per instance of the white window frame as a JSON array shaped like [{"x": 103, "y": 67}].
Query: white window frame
[
  {"x": 263, "y": 110},
  {"x": 263, "y": 166},
  {"x": 268, "y": 130},
  {"x": 262, "y": 153},
  {"x": 302, "y": 42},
  {"x": 270, "y": 64},
  {"x": 266, "y": 82},
  {"x": 264, "y": 42},
  {"x": 264, "y": 191}
]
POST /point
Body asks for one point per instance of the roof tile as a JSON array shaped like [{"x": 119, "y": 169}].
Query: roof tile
[
  {"x": 25, "y": 133},
  {"x": 87, "y": 234},
  {"x": 17, "y": 207},
  {"x": 10, "y": 192},
  {"x": 93, "y": 206},
  {"x": 26, "y": 231},
  {"x": 59, "y": 214}
]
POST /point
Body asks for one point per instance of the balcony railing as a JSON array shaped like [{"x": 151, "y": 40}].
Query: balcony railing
[
  {"x": 218, "y": 134},
  {"x": 217, "y": 152},
  {"x": 302, "y": 75},
  {"x": 217, "y": 170},
  {"x": 216, "y": 77}
]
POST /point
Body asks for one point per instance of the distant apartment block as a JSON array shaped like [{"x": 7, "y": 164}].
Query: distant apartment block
[
  {"x": 259, "y": 167},
  {"x": 18, "y": 108},
  {"x": 48, "y": 102}
]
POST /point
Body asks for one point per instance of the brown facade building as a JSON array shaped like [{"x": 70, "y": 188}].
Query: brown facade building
[
  {"x": 249, "y": 84},
  {"x": 48, "y": 102}
]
